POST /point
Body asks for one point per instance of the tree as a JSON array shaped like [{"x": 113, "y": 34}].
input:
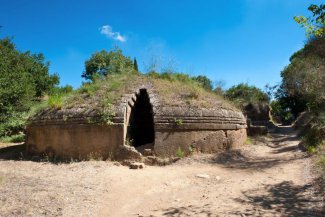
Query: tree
[
  {"x": 243, "y": 94},
  {"x": 303, "y": 80},
  {"x": 219, "y": 88},
  {"x": 16, "y": 84},
  {"x": 204, "y": 81},
  {"x": 39, "y": 70},
  {"x": 135, "y": 65},
  {"x": 103, "y": 63},
  {"x": 314, "y": 25},
  {"x": 24, "y": 78}
]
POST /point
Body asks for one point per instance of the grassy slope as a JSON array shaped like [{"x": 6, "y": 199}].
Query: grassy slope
[{"x": 105, "y": 92}]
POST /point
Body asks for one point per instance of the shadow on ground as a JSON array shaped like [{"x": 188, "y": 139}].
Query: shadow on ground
[
  {"x": 17, "y": 152},
  {"x": 205, "y": 210},
  {"x": 283, "y": 198},
  {"x": 237, "y": 160},
  {"x": 12, "y": 152},
  {"x": 279, "y": 145}
]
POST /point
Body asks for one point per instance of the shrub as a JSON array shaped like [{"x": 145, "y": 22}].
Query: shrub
[
  {"x": 178, "y": 121},
  {"x": 321, "y": 162},
  {"x": 103, "y": 63},
  {"x": 14, "y": 138},
  {"x": 314, "y": 136},
  {"x": 180, "y": 152},
  {"x": 24, "y": 80},
  {"x": 248, "y": 141},
  {"x": 303, "y": 79},
  {"x": 204, "y": 81},
  {"x": 56, "y": 101},
  {"x": 280, "y": 114},
  {"x": 13, "y": 124},
  {"x": 243, "y": 94}
]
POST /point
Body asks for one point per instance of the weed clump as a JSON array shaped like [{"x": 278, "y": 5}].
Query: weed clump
[
  {"x": 13, "y": 139},
  {"x": 180, "y": 152}
]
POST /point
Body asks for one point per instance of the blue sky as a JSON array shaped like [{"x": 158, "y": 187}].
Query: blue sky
[{"x": 229, "y": 41}]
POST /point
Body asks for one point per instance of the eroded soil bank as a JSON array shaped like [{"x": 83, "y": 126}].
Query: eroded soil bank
[{"x": 268, "y": 178}]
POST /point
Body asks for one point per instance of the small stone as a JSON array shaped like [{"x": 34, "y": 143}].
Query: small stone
[
  {"x": 147, "y": 152},
  {"x": 150, "y": 160},
  {"x": 117, "y": 164},
  {"x": 218, "y": 178},
  {"x": 203, "y": 176},
  {"x": 136, "y": 166}
]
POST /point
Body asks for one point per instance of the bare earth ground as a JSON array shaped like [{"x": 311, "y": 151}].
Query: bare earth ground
[{"x": 269, "y": 178}]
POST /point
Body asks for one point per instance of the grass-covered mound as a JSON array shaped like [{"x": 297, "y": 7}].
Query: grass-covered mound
[{"x": 101, "y": 97}]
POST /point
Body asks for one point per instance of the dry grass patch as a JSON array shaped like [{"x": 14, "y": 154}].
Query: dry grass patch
[
  {"x": 1, "y": 180},
  {"x": 178, "y": 93},
  {"x": 97, "y": 101}
]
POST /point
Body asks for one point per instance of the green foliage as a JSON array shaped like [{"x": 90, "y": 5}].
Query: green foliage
[
  {"x": 321, "y": 162},
  {"x": 99, "y": 95},
  {"x": 311, "y": 149},
  {"x": 191, "y": 148},
  {"x": 56, "y": 101},
  {"x": 180, "y": 152},
  {"x": 248, "y": 141},
  {"x": 16, "y": 86},
  {"x": 219, "y": 91},
  {"x": 303, "y": 80},
  {"x": 89, "y": 88},
  {"x": 315, "y": 135},
  {"x": 129, "y": 142},
  {"x": 103, "y": 63},
  {"x": 135, "y": 65},
  {"x": 61, "y": 90},
  {"x": 219, "y": 88},
  {"x": 178, "y": 121},
  {"x": 243, "y": 94},
  {"x": 107, "y": 112},
  {"x": 170, "y": 76},
  {"x": 201, "y": 80},
  {"x": 24, "y": 79},
  {"x": 36, "y": 107},
  {"x": 153, "y": 74},
  {"x": 280, "y": 113},
  {"x": 204, "y": 81},
  {"x": 12, "y": 123},
  {"x": 13, "y": 139},
  {"x": 179, "y": 88},
  {"x": 58, "y": 95},
  {"x": 315, "y": 25}
]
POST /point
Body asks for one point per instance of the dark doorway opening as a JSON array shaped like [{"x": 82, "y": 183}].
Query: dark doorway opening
[{"x": 141, "y": 126}]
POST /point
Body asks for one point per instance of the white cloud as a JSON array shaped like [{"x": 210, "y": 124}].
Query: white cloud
[{"x": 108, "y": 32}]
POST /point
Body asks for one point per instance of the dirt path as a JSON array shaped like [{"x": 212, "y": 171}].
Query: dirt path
[
  {"x": 260, "y": 180},
  {"x": 269, "y": 178}
]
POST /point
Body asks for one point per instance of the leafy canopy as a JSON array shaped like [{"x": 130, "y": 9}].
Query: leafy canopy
[
  {"x": 243, "y": 94},
  {"x": 24, "y": 78},
  {"x": 303, "y": 80},
  {"x": 314, "y": 25},
  {"x": 204, "y": 81},
  {"x": 103, "y": 63}
]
